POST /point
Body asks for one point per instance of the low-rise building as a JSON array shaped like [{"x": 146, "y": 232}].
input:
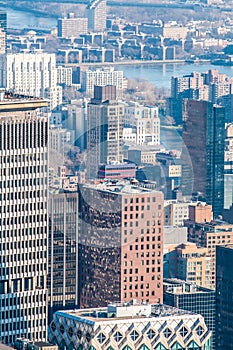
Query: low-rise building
[
  {"x": 128, "y": 326},
  {"x": 190, "y": 297}
]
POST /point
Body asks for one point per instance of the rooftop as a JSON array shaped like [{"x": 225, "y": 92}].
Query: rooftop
[
  {"x": 124, "y": 186},
  {"x": 124, "y": 311},
  {"x": 10, "y": 101},
  {"x": 177, "y": 286}
]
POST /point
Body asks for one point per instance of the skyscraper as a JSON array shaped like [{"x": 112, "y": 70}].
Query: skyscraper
[
  {"x": 63, "y": 251},
  {"x": 104, "y": 129},
  {"x": 96, "y": 14},
  {"x": 120, "y": 243},
  {"x": 203, "y": 151},
  {"x": 224, "y": 297},
  {"x": 23, "y": 217}
]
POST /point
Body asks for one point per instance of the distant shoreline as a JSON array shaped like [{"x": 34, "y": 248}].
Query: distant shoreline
[{"x": 133, "y": 62}]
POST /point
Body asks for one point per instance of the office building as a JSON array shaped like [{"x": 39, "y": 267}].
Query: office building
[
  {"x": 63, "y": 251},
  {"x": 200, "y": 212},
  {"x": 203, "y": 152},
  {"x": 118, "y": 171},
  {"x": 2, "y": 41},
  {"x": 102, "y": 77},
  {"x": 3, "y": 20},
  {"x": 77, "y": 121},
  {"x": 190, "y": 297},
  {"x": 175, "y": 212},
  {"x": 171, "y": 168},
  {"x": 32, "y": 74},
  {"x": 104, "y": 129},
  {"x": 60, "y": 139},
  {"x": 129, "y": 326},
  {"x": 64, "y": 76},
  {"x": 72, "y": 26},
  {"x": 141, "y": 124},
  {"x": 210, "y": 235},
  {"x": 190, "y": 263},
  {"x": 224, "y": 297},
  {"x": 3, "y": 26},
  {"x": 228, "y": 167},
  {"x": 24, "y": 221},
  {"x": 120, "y": 243},
  {"x": 96, "y": 12}
]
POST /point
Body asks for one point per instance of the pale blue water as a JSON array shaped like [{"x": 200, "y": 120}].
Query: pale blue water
[
  {"x": 22, "y": 19},
  {"x": 160, "y": 74}
]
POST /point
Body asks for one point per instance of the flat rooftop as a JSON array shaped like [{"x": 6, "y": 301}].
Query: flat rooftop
[
  {"x": 124, "y": 186},
  {"x": 178, "y": 287},
  {"x": 124, "y": 311},
  {"x": 12, "y": 102}
]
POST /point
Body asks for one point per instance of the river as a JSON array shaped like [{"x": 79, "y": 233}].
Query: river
[
  {"x": 21, "y": 19},
  {"x": 160, "y": 74}
]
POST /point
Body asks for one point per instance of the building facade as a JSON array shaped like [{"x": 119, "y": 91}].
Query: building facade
[
  {"x": 102, "y": 77},
  {"x": 72, "y": 26},
  {"x": 130, "y": 326},
  {"x": 104, "y": 129},
  {"x": 63, "y": 251},
  {"x": 190, "y": 297},
  {"x": 224, "y": 299},
  {"x": 96, "y": 12},
  {"x": 203, "y": 151},
  {"x": 142, "y": 124},
  {"x": 210, "y": 235},
  {"x": 32, "y": 74},
  {"x": 121, "y": 242},
  {"x": 24, "y": 220}
]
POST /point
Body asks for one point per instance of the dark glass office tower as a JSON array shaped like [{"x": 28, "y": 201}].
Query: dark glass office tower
[
  {"x": 203, "y": 151},
  {"x": 63, "y": 251},
  {"x": 224, "y": 297}
]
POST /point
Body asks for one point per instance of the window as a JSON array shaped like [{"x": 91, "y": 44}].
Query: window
[
  {"x": 101, "y": 338},
  {"x": 199, "y": 331},
  {"x": 151, "y": 334},
  {"x": 118, "y": 336},
  {"x": 183, "y": 332},
  {"x": 193, "y": 346},
  {"x": 167, "y": 333},
  {"x": 134, "y": 335}
]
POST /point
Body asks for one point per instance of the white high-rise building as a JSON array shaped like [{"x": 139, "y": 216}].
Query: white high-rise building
[
  {"x": 72, "y": 26},
  {"x": 102, "y": 77},
  {"x": 96, "y": 13},
  {"x": 23, "y": 218},
  {"x": 142, "y": 124},
  {"x": 32, "y": 74}
]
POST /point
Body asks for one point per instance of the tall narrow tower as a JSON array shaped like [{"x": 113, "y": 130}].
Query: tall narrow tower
[
  {"x": 203, "y": 151},
  {"x": 105, "y": 116},
  {"x": 96, "y": 13},
  {"x": 23, "y": 218}
]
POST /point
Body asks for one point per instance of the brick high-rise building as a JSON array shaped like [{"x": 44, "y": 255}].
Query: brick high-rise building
[
  {"x": 23, "y": 217},
  {"x": 120, "y": 243},
  {"x": 203, "y": 151}
]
